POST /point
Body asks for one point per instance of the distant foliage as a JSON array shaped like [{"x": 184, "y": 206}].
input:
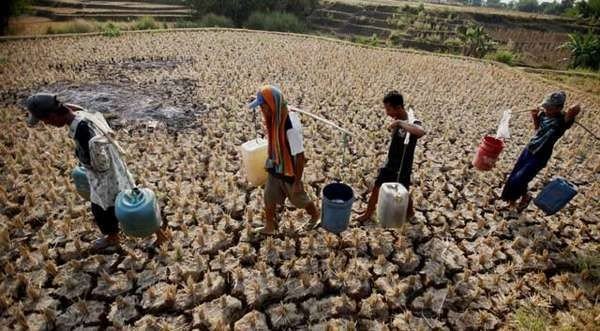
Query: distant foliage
[
  {"x": 369, "y": 41},
  {"x": 10, "y": 8},
  {"x": 475, "y": 41},
  {"x": 146, "y": 23},
  {"x": 584, "y": 49},
  {"x": 588, "y": 9},
  {"x": 240, "y": 11},
  {"x": 275, "y": 21},
  {"x": 76, "y": 26},
  {"x": 111, "y": 30},
  {"x": 503, "y": 56},
  {"x": 530, "y": 6},
  {"x": 207, "y": 21}
]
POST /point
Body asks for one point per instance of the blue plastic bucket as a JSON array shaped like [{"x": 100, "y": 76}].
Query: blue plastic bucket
[
  {"x": 79, "y": 176},
  {"x": 138, "y": 213},
  {"x": 555, "y": 195},
  {"x": 337, "y": 207}
]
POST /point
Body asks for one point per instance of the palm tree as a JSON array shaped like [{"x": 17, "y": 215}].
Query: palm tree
[{"x": 584, "y": 49}]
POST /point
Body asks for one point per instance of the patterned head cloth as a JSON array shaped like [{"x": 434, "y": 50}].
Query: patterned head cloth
[
  {"x": 275, "y": 116},
  {"x": 555, "y": 99}
]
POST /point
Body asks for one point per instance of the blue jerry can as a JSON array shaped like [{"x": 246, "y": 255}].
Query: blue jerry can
[
  {"x": 138, "y": 213},
  {"x": 337, "y": 207},
  {"x": 79, "y": 176},
  {"x": 555, "y": 195}
]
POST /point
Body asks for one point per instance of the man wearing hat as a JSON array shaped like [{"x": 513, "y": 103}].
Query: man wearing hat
[
  {"x": 550, "y": 123},
  {"x": 106, "y": 171},
  {"x": 285, "y": 163}
]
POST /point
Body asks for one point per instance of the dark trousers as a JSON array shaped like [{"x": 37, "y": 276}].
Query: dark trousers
[
  {"x": 527, "y": 167},
  {"x": 105, "y": 219}
]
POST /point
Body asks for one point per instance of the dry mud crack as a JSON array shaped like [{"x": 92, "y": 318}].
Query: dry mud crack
[{"x": 177, "y": 101}]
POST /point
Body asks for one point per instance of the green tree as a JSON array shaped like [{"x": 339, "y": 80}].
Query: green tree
[
  {"x": 588, "y": 8},
  {"x": 10, "y": 8},
  {"x": 240, "y": 10},
  {"x": 493, "y": 3},
  {"x": 530, "y": 6},
  {"x": 475, "y": 41},
  {"x": 584, "y": 49}
]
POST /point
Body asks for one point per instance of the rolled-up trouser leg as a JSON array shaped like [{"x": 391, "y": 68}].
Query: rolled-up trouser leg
[
  {"x": 525, "y": 170},
  {"x": 105, "y": 219}
]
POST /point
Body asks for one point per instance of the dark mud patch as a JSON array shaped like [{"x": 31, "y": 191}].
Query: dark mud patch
[{"x": 165, "y": 103}]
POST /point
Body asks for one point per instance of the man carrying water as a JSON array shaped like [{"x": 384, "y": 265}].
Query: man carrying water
[
  {"x": 398, "y": 166},
  {"x": 285, "y": 163},
  {"x": 106, "y": 171},
  {"x": 550, "y": 123}
]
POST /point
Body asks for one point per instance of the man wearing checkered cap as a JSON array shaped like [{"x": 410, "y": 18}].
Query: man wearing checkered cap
[{"x": 550, "y": 123}]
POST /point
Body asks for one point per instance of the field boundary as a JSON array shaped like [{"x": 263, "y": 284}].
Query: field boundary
[{"x": 518, "y": 70}]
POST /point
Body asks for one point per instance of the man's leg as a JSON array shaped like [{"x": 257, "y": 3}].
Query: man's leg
[
  {"x": 410, "y": 210},
  {"x": 312, "y": 209},
  {"x": 273, "y": 197},
  {"x": 270, "y": 224},
  {"x": 108, "y": 224},
  {"x": 516, "y": 186},
  {"x": 371, "y": 205}
]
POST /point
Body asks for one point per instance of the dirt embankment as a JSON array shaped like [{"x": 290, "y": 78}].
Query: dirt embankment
[{"x": 537, "y": 38}]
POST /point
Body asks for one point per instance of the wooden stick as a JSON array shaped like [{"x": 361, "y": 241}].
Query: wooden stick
[
  {"x": 319, "y": 118},
  {"x": 581, "y": 125},
  {"x": 588, "y": 130}
]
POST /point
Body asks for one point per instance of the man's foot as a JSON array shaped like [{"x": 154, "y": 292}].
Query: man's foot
[
  {"x": 263, "y": 231},
  {"x": 161, "y": 237},
  {"x": 111, "y": 240},
  {"x": 523, "y": 203},
  {"x": 312, "y": 224},
  {"x": 364, "y": 216}
]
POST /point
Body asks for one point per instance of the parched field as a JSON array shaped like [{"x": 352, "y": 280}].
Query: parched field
[{"x": 177, "y": 101}]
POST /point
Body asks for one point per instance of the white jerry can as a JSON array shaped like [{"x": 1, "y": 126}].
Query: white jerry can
[
  {"x": 392, "y": 205},
  {"x": 254, "y": 157}
]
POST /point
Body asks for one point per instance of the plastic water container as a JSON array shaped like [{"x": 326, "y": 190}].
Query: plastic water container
[
  {"x": 80, "y": 179},
  {"x": 555, "y": 195},
  {"x": 337, "y": 207},
  {"x": 392, "y": 205},
  {"x": 487, "y": 153},
  {"x": 254, "y": 157},
  {"x": 138, "y": 213}
]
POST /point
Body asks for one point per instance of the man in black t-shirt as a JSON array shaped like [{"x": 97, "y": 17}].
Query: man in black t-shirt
[{"x": 399, "y": 154}]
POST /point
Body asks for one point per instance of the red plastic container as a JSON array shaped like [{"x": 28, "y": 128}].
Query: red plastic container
[{"x": 487, "y": 153}]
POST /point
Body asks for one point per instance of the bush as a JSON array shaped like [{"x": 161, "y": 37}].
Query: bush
[
  {"x": 240, "y": 11},
  {"x": 503, "y": 56},
  {"x": 76, "y": 26},
  {"x": 369, "y": 41},
  {"x": 208, "y": 21},
  {"x": 146, "y": 23},
  {"x": 212, "y": 20},
  {"x": 584, "y": 49},
  {"x": 111, "y": 30},
  {"x": 275, "y": 21}
]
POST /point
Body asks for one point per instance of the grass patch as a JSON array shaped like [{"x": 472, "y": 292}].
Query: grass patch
[
  {"x": 111, "y": 30},
  {"x": 588, "y": 266},
  {"x": 76, "y": 26},
  {"x": 503, "y": 56},
  {"x": 531, "y": 318},
  {"x": 146, "y": 23},
  {"x": 207, "y": 21},
  {"x": 275, "y": 21},
  {"x": 3, "y": 60},
  {"x": 369, "y": 41}
]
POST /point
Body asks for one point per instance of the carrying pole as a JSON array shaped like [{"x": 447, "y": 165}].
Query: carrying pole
[
  {"x": 321, "y": 119},
  {"x": 581, "y": 125}
]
